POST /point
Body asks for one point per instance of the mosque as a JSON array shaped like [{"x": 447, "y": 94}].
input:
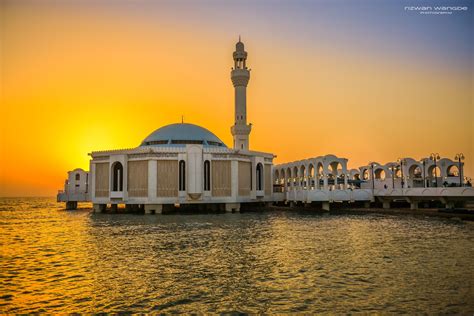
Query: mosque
[{"x": 184, "y": 164}]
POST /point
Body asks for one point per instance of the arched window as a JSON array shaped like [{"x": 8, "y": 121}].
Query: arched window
[
  {"x": 182, "y": 175},
  {"x": 78, "y": 177},
  {"x": 259, "y": 177},
  {"x": 117, "y": 174},
  {"x": 207, "y": 175}
]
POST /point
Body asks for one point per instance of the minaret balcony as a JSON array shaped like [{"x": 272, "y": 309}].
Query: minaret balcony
[
  {"x": 240, "y": 77},
  {"x": 241, "y": 129}
]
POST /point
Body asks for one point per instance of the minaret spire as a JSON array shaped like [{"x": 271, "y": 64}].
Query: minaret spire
[{"x": 240, "y": 76}]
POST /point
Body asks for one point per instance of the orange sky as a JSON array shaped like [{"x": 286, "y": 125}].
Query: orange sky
[{"x": 75, "y": 80}]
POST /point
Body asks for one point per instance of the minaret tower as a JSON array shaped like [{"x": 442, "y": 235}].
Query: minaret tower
[{"x": 240, "y": 76}]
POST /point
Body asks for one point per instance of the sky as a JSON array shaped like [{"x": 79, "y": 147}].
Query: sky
[{"x": 368, "y": 80}]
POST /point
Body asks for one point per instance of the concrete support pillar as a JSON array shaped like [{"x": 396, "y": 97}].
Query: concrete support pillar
[
  {"x": 414, "y": 205},
  {"x": 99, "y": 208},
  {"x": 449, "y": 204},
  {"x": 113, "y": 208},
  {"x": 386, "y": 204},
  {"x": 153, "y": 208},
  {"x": 367, "y": 204},
  {"x": 71, "y": 205},
  {"x": 232, "y": 207},
  {"x": 326, "y": 206}
]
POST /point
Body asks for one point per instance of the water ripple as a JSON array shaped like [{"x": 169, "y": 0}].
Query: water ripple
[{"x": 58, "y": 261}]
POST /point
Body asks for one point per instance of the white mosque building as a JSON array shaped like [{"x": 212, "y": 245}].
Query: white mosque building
[
  {"x": 181, "y": 164},
  {"x": 184, "y": 164}
]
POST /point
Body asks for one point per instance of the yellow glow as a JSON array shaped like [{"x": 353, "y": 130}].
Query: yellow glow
[{"x": 76, "y": 82}]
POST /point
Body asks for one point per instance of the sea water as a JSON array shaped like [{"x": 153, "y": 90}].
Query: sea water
[{"x": 54, "y": 260}]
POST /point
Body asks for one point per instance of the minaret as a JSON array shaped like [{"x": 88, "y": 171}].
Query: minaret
[{"x": 240, "y": 76}]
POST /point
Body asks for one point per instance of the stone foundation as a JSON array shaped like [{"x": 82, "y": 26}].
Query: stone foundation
[
  {"x": 99, "y": 208},
  {"x": 153, "y": 208},
  {"x": 232, "y": 207}
]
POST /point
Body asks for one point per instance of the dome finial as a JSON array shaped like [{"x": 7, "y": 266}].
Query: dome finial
[
  {"x": 182, "y": 119},
  {"x": 239, "y": 37}
]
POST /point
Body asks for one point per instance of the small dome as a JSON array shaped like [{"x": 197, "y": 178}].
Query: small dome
[
  {"x": 239, "y": 46},
  {"x": 180, "y": 135}
]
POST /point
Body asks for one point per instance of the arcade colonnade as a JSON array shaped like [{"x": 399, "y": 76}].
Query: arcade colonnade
[
  {"x": 319, "y": 173},
  {"x": 331, "y": 173}
]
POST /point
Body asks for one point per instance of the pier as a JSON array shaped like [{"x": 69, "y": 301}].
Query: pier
[{"x": 327, "y": 180}]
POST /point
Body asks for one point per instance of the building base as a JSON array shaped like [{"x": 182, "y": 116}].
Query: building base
[
  {"x": 232, "y": 207},
  {"x": 153, "y": 208},
  {"x": 326, "y": 206},
  {"x": 71, "y": 205},
  {"x": 99, "y": 208}
]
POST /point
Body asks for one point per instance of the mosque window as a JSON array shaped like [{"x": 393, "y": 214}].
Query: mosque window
[
  {"x": 259, "y": 177},
  {"x": 207, "y": 175},
  {"x": 157, "y": 142},
  {"x": 176, "y": 141},
  {"x": 117, "y": 173},
  {"x": 182, "y": 175},
  {"x": 78, "y": 177},
  {"x": 211, "y": 143}
]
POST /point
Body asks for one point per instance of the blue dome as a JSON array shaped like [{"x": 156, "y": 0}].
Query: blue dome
[{"x": 181, "y": 134}]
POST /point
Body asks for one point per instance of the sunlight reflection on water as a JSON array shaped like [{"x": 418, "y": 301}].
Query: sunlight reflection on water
[{"x": 76, "y": 261}]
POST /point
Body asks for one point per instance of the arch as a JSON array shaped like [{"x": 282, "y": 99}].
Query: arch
[
  {"x": 295, "y": 176},
  {"x": 398, "y": 172},
  {"x": 319, "y": 175},
  {"x": 303, "y": 176},
  {"x": 434, "y": 171},
  {"x": 355, "y": 177},
  {"x": 117, "y": 176},
  {"x": 452, "y": 171},
  {"x": 288, "y": 177},
  {"x": 415, "y": 171},
  {"x": 434, "y": 175},
  {"x": 259, "y": 176},
  {"x": 276, "y": 177},
  {"x": 182, "y": 175},
  {"x": 335, "y": 167},
  {"x": 282, "y": 177},
  {"x": 415, "y": 176},
  {"x": 207, "y": 175},
  {"x": 380, "y": 174},
  {"x": 365, "y": 174},
  {"x": 335, "y": 174},
  {"x": 311, "y": 181},
  {"x": 78, "y": 177}
]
